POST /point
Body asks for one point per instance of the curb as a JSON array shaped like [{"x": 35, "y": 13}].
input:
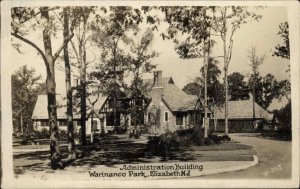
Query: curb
[{"x": 231, "y": 169}]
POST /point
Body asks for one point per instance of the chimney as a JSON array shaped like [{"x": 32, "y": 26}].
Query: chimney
[
  {"x": 157, "y": 79},
  {"x": 157, "y": 90}
]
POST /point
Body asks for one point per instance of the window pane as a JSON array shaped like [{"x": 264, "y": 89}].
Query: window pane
[
  {"x": 62, "y": 123},
  {"x": 94, "y": 125},
  {"x": 179, "y": 120},
  {"x": 166, "y": 116}
]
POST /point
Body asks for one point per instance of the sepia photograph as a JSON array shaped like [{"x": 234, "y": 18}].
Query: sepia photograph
[{"x": 99, "y": 94}]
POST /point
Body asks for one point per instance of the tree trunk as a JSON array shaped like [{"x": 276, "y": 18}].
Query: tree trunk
[
  {"x": 253, "y": 102},
  {"x": 21, "y": 124},
  {"x": 82, "y": 54},
  {"x": 205, "y": 58},
  {"x": 71, "y": 140},
  {"x": 54, "y": 135},
  {"x": 225, "y": 75},
  {"x": 226, "y": 100}
]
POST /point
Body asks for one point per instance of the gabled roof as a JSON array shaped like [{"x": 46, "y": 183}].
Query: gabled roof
[
  {"x": 174, "y": 97},
  {"x": 177, "y": 99},
  {"x": 242, "y": 109},
  {"x": 40, "y": 110}
]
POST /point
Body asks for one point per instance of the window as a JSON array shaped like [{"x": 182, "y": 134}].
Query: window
[
  {"x": 179, "y": 119},
  {"x": 78, "y": 123},
  {"x": 110, "y": 119},
  {"x": 149, "y": 117},
  {"x": 94, "y": 125},
  {"x": 166, "y": 117},
  {"x": 62, "y": 123},
  {"x": 44, "y": 123}
]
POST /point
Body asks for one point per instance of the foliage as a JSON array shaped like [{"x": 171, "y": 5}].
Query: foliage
[
  {"x": 109, "y": 34},
  {"x": 192, "y": 88},
  {"x": 283, "y": 50},
  {"x": 140, "y": 63},
  {"x": 284, "y": 116},
  {"x": 237, "y": 87},
  {"x": 42, "y": 134},
  {"x": 182, "y": 138},
  {"x": 193, "y": 21},
  {"x": 282, "y": 123},
  {"x": 268, "y": 88},
  {"x": 215, "y": 90},
  {"x": 26, "y": 86}
]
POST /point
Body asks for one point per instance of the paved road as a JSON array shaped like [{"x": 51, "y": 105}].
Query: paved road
[{"x": 274, "y": 158}]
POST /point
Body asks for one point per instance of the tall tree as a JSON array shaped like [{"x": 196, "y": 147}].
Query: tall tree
[
  {"x": 215, "y": 90},
  {"x": 237, "y": 87},
  {"x": 66, "y": 33},
  {"x": 140, "y": 64},
  {"x": 196, "y": 24},
  {"x": 82, "y": 15},
  {"x": 226, "y": 21},
  {"x": 26, "y": 86},
  {"x": 255, "y": 62},
  {"x": 20, "y": 16},
  {"x": 110, "y": 34}
]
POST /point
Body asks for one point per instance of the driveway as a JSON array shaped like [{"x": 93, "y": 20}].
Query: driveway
[{"x": 274, "y": 157}]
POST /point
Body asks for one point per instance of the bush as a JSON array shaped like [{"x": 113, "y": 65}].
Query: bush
[
  {"x": 63, "y": 135},
  {"x": 42, "y": 134},
  {"x": 208, "y": 141},
  {"x": 218, "y": 139},
  {"x": 173, "y": 140},
  {"x": 119, "y": 130},
  {"x": 226, "y": 138},
  {"x": 192, "y": 136}
]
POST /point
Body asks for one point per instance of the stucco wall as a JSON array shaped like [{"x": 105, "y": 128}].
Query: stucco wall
[{"x": 165, "y": 125}]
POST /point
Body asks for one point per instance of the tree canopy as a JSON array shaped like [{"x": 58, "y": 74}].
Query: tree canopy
[{"x": 26, "y": 86}]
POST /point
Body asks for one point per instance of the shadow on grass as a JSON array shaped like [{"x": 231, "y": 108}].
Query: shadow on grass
[{"x": 106, "y": 150}]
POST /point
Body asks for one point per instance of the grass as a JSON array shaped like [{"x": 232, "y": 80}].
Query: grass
[{"x": 117, "y": 149}]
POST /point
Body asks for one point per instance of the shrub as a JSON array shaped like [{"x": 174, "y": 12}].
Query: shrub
[
  {"x": 42, "y": 134},
  {"x": 119, "y": 130},
  {"x": 208, "y": 141},
  {"x": 215, "y": 139},
  {"x": 63, "y": 134},
  {"x": 226, "y": 138}
]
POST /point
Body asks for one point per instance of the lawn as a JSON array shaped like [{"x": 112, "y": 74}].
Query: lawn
[{"x": 118, "y": 149}]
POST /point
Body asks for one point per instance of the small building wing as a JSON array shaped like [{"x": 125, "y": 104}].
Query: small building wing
[
  {"x": 40, "y": 111},
  {"x": 242, "y": 109}
]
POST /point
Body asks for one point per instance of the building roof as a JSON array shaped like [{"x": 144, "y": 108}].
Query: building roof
[
  {"x": 242, "y": 109},
  {"x": 177, "y": 99},
  {"x": 174, "y": 97},
  {"x": 40, "y": 110}
]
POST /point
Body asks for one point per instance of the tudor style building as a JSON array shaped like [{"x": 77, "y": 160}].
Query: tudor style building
[{"x": 178, "y": 110}]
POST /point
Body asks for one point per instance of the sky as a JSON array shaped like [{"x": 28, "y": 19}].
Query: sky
[{"x": 260, "y": 34}]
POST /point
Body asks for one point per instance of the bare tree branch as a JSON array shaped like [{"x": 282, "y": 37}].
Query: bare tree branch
[
  {"x": 62, "y": 46},
  {"x": 31, "y": 44}
]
